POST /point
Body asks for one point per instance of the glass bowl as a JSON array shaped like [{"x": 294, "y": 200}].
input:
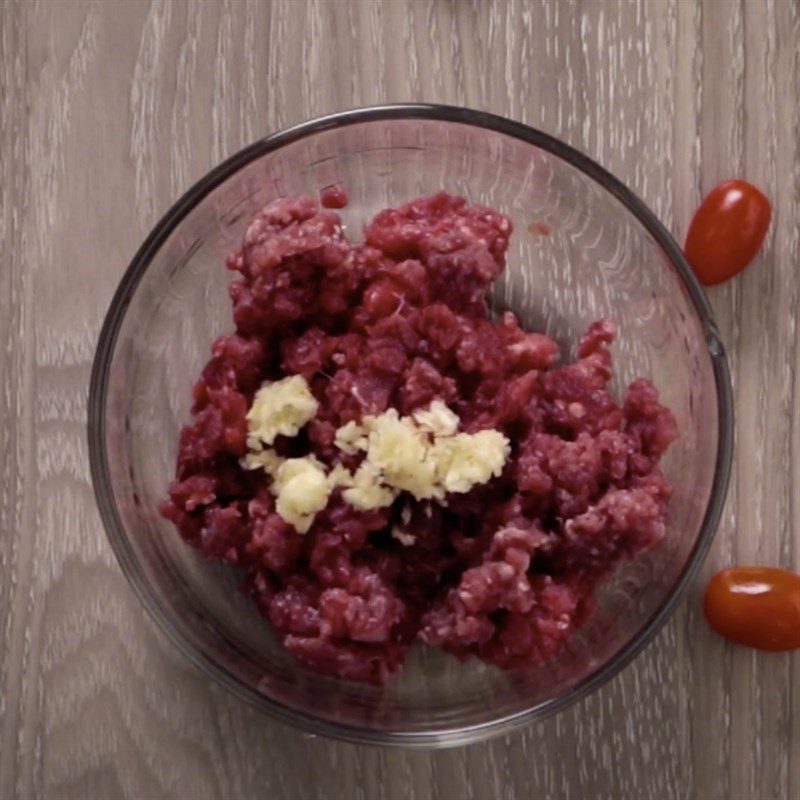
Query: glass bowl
[{"x": 584, "y": 247}]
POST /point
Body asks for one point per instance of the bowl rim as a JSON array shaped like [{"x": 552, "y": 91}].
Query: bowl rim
[{"x": 96, "y": 424}]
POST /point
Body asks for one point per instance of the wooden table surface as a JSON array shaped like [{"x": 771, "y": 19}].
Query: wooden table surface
[{"x": 110, "y": 110}]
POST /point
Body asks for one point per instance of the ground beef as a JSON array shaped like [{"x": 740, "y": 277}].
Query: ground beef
[
  {"x": 504, "y": 572},
  {"x": 333, "y": 196}
]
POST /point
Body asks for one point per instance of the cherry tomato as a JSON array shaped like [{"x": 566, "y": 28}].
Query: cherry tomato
[
  {"x": 755, "y": 606},
  {"x": 727, "y": 231}
]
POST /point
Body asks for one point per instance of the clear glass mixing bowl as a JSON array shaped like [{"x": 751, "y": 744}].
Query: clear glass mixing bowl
[{"x": 584, "y": 247}]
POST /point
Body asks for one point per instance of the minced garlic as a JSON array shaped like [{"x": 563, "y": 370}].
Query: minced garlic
[
  {"x": 365, "y": 489},
  {"x": 279, "y": 408},
  {"x": 422, "y": 454},
  {"x": 437, "y": 419},
  {"x": 464, "y": 460},
  {"x": 400, "y": 451},
  {"x": 351, "y": 438},
  {"x": 302, "y": 489},
  {"x": 268, "y": 460},
  {"x": 405, "y": 539}
]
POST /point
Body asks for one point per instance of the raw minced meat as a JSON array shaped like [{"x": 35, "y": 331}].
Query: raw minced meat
[{"x": 505, "y": 571}]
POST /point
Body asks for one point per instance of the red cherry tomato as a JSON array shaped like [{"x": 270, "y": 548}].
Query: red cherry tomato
[
  {"x": 727, "y": 231},
  {"x": 755, "y": 606}
]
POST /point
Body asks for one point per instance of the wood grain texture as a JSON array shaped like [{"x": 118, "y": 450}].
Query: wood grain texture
[{"x": 108, "y": 110}]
